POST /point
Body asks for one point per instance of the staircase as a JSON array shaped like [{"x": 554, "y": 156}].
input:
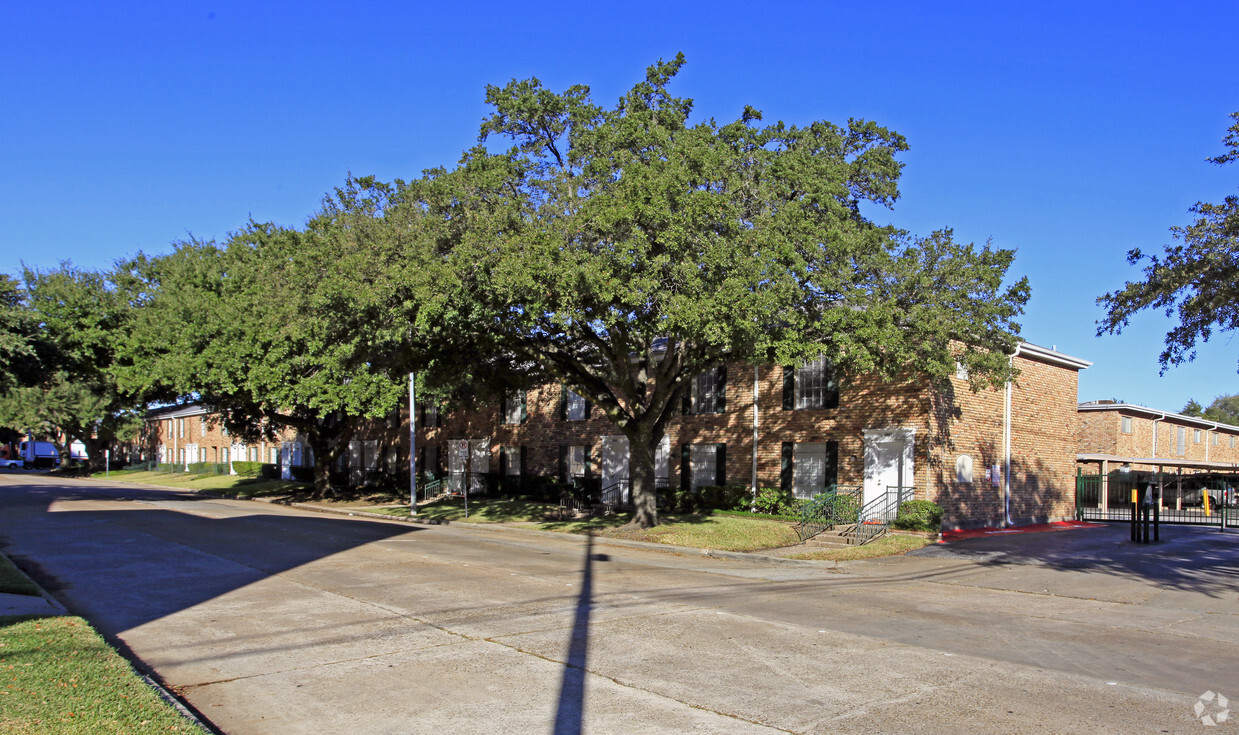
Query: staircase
[
  {"x": 837, "y": 505},
  {"x": 874, "y": 519}
]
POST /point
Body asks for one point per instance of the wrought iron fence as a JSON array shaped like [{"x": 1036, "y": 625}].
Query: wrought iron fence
[{"x": 1203, "y": 499}]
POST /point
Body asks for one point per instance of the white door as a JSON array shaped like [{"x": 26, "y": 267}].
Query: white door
[
  {"x": 888, "y": 460},
  {"x": 457, "y": 463},
  {"x": 615, "y": 463},
  {"x": 479, "y": 464},
  {"x": 286, "y": 461},
  {"x": 809, "y": 469}
]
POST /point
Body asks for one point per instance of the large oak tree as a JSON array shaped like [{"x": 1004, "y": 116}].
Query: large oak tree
[{"x": 625, "y": 250}]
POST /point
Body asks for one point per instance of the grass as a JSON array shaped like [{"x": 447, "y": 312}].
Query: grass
[
  {"x": 481, "y": 510},
  {"x": 722, "y": 532},
  {"x": 13, "y": 581},
  {"x": 894, "y": 545},
  {"x": 241, "y": 487},
  {"x": 58, "y": 675}
]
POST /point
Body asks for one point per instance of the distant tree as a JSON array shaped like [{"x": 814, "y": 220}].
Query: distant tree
[
  {"x": 17, "y": 330},
  {"x": 625, "y": 251},
  {"x": 281, "y": 327},
  {"x": 1198, "y": 278},
  {"x": 1224, "y": 410},
  {"x": 67, "y": 382}
]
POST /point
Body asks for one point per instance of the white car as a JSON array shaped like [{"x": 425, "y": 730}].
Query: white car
[{"x": 11, "y": 464}]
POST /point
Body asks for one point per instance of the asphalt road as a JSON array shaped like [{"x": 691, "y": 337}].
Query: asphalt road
[{"x": 274, "y": 620}]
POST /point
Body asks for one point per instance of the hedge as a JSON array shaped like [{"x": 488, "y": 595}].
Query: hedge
[{"x": 918, "y": 515}]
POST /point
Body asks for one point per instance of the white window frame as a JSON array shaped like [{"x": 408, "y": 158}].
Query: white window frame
[
  {"x": 576, "y": 462},
  {"x": 707, "y": 396},
  {"x": 1197, "y": 434},
  {"x": 812, "y": 380},
  {"x": 512, "y": 460},
  {"x": 574, "y": 406},
  {"x": 512, "y": 409},
  {"x": 703, "y": 465},
  {"x": 1127, "y": 427}
]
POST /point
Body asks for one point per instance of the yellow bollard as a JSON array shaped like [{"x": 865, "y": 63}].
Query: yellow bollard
[{"x": 1208, "y": 511}]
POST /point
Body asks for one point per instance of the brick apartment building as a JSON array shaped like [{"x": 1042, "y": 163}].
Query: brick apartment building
[
  {"x": 986, "y": 457},
  {"x": 983, "y": 456},
  {"x": 1117, "y": 436}
]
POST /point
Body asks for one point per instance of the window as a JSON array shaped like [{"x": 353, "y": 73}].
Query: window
[
  {"x": 1232, "y": 442},
  {"x": 223, "y": 455},
  {"x": 708, "y": 393},
  {"x": 575, "y": 408},
  {"x": 812, "y": 386},
  {"x": 430, "y": 415},
  {"x": 1180, "y": 440},
  {"x": 702, "y": 465},
  {"x": 1127, "y": 424},
  {"x": 1196, "y": 434},
  {"x": 180, "y": 428},
  {"x": 1215, "y": 438},
  {"x": 275, "y": 456},
  {"x": 574, "y": 462},
  {"x": 510, "y": 461},
  {"x": 514, "y": 409},
  {"x": 809, "y": 468},
  {"x": 253, "y": 454},
  {"x": 961, "y": 371},
  {"x": 202, "y": 457},
  {"x": 180, "y": 455}
]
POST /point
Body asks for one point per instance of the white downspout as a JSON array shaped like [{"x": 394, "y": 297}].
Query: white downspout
[
  {"x": 1006, "y": 446},
  {"x": 413, "y": 447},
  {"x": 755, "y": 417}
]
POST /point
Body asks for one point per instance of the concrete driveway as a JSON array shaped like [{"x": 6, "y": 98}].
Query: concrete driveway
[{"x": 273, "y": 620}]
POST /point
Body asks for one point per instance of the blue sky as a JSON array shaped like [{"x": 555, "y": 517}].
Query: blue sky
[{"x": 1069, "y": 131}]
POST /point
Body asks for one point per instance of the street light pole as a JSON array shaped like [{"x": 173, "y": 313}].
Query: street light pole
[{"x": 412, "y": 447}]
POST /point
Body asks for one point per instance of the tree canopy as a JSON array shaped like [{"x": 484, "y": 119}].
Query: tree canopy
[
  {"x": 625, "y": 250},
  {"x": 1195, "y": 279},
  {"x": 1224, "y": 410}
]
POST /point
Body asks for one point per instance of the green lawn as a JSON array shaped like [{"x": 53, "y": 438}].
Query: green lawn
[
  {"x": 242, "y": 487},
  {"x": 722, "y": 532},
  {"x": 893, "y": 545},
  {"x": 57, "y": 675},
  {"x": 14, "y": 582}
]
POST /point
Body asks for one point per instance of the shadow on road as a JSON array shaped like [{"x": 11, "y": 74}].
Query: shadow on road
[{"x": 571, "y": 707}]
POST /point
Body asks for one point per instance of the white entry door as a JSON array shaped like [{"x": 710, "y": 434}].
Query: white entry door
[
  {"x": 888, "y": 460},
  {"x": 615, "y": 463}
]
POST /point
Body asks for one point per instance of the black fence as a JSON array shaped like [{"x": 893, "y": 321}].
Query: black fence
[{"x": 1203, "y": 499}]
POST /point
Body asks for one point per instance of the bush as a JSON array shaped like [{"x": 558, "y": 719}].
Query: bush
[
  {"x": 207, "y": 468},
  {"x": 723, "y": 497},
  {"x": 774, "y": 500},
  {"x": 846, "y": 508},
  {"x": 918, "y": 515},
  {"x": 249, "y": 469},
  {"x": 302, "y": 474}
]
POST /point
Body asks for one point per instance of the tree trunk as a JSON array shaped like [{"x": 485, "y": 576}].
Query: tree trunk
[{"x": 641, "y": 475}]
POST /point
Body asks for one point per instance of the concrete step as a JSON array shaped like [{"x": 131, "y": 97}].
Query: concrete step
[{"x": 827, "y": 540}]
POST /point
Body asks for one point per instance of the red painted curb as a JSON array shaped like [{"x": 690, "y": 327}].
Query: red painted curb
[{"x": 948, "y": 536}]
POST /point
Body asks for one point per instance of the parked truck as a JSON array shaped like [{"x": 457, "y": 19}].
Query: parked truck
[{"x": 39, "y": 454}]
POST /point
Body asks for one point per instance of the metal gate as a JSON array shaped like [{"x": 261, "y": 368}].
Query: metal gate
[{"x": 1203, "y": 499}]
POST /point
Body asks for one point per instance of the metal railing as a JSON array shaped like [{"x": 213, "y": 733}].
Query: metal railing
[
  {"x": 875, "y": 517},
  {"x": 837, "y": 505}
]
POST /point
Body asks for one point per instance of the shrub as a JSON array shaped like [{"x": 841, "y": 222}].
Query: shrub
[
  {"x": 774, "y": 500},
  {"x": 918, "y": 515},
  {"x": 723, "y": 497},
  {"x": 302, "y": 474},
  {"x": 248, "y": 469},
  {"x": 207, "y": 468},
  {"x": 846, "y": 508}
]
